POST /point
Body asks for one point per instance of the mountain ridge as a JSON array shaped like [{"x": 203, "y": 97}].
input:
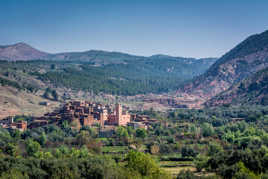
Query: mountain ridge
[
  {"x": 244, "y": 60},
  {"x": 23, "y": 51},
  {"x": 252, "y": 90}
]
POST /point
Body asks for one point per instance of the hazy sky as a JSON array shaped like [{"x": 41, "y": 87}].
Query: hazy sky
[{"x": 190, "y": 28}]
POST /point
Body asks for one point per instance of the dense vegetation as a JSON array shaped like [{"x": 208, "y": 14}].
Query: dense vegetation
[
  {"x": 227, "y": 142},
  {"x": 150, "y": 75},
  {"x": 14, "y": 84}
]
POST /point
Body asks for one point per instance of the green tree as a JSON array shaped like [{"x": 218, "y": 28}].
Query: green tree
[
  {"x": 187, "y": 151},
  {"x": 32, "y": 147},
  {"x": 207, "y": 129},
  {"x": 145, "y": 165},
  {"x": 200, "y": 162},
  {"x": 55, "y": 95},
  {"x": 121, "y": 132},
  {"x": 186, "y": 174},
  {"x": 42, "y": 139},
  {"x": 83, "y": 138},
  {"x": 244, "y": 172},
  {"x": 141, "y": 133},
  {"x": 214, "y": 148},
  {"x": 13, "y": 174},
  {"x": 11, "y": 149}
]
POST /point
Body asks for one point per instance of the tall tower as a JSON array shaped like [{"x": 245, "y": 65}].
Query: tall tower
[
  {"x": 102, "y": 119},
  {"x": 118, "y": 112}
]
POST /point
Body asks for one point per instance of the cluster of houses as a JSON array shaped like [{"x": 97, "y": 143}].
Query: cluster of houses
[
  {"x": 9, "y": 123},
  {"x": 84, "y": 113}
]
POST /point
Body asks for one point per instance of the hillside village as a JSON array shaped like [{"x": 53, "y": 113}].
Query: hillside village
[{"x": 84, "y": 113}]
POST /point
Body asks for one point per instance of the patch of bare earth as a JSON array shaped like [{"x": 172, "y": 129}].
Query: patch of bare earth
[{"x": 14, "y": 102}]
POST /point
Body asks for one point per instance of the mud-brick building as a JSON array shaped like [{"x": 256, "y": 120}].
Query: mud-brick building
[
  {"x": 118, "y": 117},
  {"x": 10, "y": 124}
]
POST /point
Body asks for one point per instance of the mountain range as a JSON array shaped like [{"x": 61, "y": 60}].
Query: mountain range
[
  {"x": 24, "y": 52},
  {"x": 98, "y": 71},
  {"x": 238, "y": 77}
]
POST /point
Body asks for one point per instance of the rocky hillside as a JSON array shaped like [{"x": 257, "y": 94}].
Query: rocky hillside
[
  {"x": 252, "y": 90},
  {"x": 241, "y": 62},
  {"x": 21, "y": 52}
]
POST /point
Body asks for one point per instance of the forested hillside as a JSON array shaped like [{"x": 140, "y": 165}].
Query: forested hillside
[{"x": 154, "y": 74}]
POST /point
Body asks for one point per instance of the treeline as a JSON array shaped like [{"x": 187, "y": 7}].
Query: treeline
[{"x": 138, "y": 165}]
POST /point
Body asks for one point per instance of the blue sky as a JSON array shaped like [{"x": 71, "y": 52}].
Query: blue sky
[{"x": 190, "y": 28}]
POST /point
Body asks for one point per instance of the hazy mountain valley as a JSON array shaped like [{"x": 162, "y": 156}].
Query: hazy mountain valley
[
  {"x": 112, "y": 115},
  {"x": 97, "y": 73}
]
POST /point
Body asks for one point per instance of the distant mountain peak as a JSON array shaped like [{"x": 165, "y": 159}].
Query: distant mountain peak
[
  {"x": 21, "y": 43},
  {"x": 159, "y": 56},
  {"x": 20, "y": 52}
]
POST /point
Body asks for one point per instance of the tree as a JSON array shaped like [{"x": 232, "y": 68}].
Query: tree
[
  {"x": 188, "y": 152},
  {"x": 121, "y": 132},
  {"x": 32, "y": 147},
  {"x": 13, "y": 174},
  {"x": 186, "y": 175},
  {"x": 207, "y": 129},
  {"x": 16, "y": 134},
  {"x": 144, "y": 164},
  {"x": 55, "y": 95},
  {"x": 141, "y": 133},
  {"x": 200, "y": 162},
  {"x": 43, "y": 155},
  {"x": 52, "y": 66},
  {"x": 214, "y": 148},
  {"x": 83, "y": 138},
  {"x": 11, "y": 149},
  {"x": 42, "y": 139},
  {"x": 46, "y": 94}
]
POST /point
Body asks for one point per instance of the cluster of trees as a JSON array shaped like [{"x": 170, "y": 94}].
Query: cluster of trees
[
  {"x": 81, "y": 167},
  {"x": 113, "y": 79},
  {"x": 231, "y": 142},
  {"x": 14, "y": 84},
  {"x": 51, "y": 94},
  {"x": 61, "y": 152}
]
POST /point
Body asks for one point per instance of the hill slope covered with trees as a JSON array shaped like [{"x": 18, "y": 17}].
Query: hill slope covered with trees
[{"x": 123, "y": 74}]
